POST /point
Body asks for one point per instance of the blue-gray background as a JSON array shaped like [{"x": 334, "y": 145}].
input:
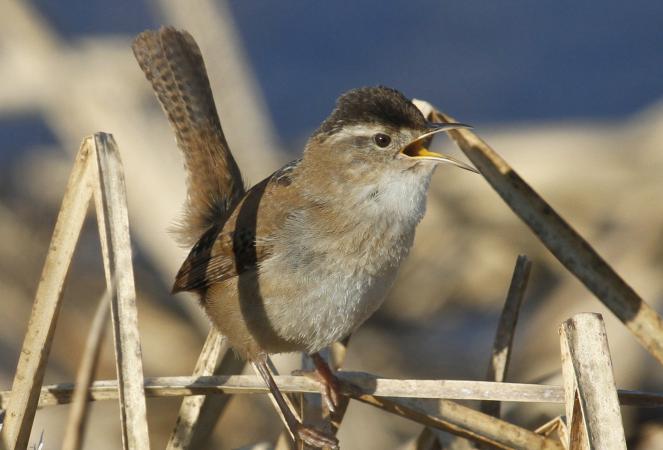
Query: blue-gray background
[{"x": 484, "y": 61}]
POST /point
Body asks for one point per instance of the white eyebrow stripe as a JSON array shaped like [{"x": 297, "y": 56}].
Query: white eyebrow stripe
[
  {"x": 368, "y": 130},
  {"x": 359, "y": 130}
]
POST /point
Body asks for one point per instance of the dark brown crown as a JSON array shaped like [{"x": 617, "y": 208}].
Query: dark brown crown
[{"x": 373, "y": 105}]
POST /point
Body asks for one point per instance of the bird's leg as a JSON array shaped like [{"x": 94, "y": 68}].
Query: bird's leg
[
  {"x": 331, "y": 388},
  {"x": 306, "y": 434}
]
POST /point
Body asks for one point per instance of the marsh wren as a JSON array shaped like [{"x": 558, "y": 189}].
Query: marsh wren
[{"x": 304, "y": 257}]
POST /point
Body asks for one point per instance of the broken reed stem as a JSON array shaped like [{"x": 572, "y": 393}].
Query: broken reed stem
[
  {"x": 113, "y": 221},
  {"x": 198, "y": 414},
  {"x": 58, "y": 394},
  {"x": 555, "y": 425},
  {"x": 501, "y": 353},
  {"x": 97, "y": 170},
  {"x": 561, "y": 239},
  {"x": 594, "y": 420},
  {"x": 462, "y": 421},
  {"x": 39, "y": 335},
  {"x": 75, "y": 430},
  {"x": 213, "y": 348},
  {"x": 500, "y": 356}
]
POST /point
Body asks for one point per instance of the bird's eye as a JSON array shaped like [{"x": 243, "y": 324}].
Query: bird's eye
[{"x": 382, "y": 140}]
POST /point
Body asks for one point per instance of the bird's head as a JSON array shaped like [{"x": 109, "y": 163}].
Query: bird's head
[{"x": 378, "y": 128}]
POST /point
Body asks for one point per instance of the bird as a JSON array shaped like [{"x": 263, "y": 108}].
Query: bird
[{"x": 301, "y": 259}]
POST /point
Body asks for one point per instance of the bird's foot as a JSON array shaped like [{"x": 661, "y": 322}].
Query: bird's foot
[
  {"x": 315, "y": 438},
  {"x": 330, "y": 387},
  {"x": 331, "y": 392}
]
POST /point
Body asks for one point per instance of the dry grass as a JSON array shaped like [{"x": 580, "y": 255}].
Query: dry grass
[
  {"x": 97, "y": 173},
  {"x": 78, "y": 414}
]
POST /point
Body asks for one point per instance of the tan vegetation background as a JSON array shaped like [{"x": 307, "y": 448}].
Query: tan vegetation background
[{"x": 605, "y": 178}]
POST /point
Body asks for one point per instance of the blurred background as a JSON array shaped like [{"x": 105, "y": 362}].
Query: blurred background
[{"x": 571, "y": 94}]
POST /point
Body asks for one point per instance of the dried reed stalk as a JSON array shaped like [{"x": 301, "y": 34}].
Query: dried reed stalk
[
  {"x": 561, "y": 239},
  {"x": 501, "y": 353},
  {"x": 118, "y": 266},
  {"x": 440, "y": 414},
  {"x": 191, "y": 406},
  {"x": 75, "y": 429},
  {"x": 593, "y": 417},
  {"x": 557, "y": 426},
  {"x": 362, "y": 383},
  {"x": 198, "y": 414},
  {"x": 462, "y": 421},
  {"x": 97, "y": 170},
  {"x": 39, "y": 336}
]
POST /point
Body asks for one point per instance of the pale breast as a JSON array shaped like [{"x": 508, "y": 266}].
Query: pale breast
[
  {"x": 323, "y": 299},
  {"x": 327, "y": 281}
]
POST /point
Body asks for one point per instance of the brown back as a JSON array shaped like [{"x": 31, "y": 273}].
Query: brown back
[{"x": 173, "y": 64}]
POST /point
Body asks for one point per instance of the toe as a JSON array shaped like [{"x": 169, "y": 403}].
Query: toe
[
  {"x": 316, "y": 438},
  {"x": 330, "y": 398},
  {"x": 334, "y": 389}
]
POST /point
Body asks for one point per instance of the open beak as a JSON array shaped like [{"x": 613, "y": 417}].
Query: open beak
[{"x": 418, "y": 149}]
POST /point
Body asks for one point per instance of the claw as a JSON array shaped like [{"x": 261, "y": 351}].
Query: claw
[
  {"x": 316, "y": 438},
  {"x": 331, "y": 393}
]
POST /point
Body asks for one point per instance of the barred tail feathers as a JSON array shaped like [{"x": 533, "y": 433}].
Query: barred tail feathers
[{"x": 173, "y": 64}]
